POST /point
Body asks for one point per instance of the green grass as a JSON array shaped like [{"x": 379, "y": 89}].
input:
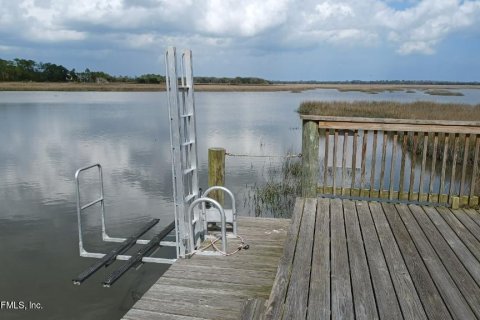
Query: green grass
[
  {"x": 422, "y": 110},
  {"x": 277, "y": 196}
]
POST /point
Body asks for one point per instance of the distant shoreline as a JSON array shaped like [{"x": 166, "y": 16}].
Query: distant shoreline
[{"x": 136, "y": 87}]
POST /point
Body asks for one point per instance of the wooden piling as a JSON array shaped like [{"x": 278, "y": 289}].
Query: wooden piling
[
  {"x": 216, "y": 172},
  {"x": 310, "y": 160}
]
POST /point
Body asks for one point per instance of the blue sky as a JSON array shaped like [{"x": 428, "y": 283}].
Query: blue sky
[{"x": 273, "y": 39}]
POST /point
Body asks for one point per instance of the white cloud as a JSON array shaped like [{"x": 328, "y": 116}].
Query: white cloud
[
  {"x": 149, "y": 24},
  {"x": 141, "y": 40},
  {"x": 420, "y": 28},
  {"x": 327, "y": 10},
  {"x": 425, "y": 47},
  {"x": 35, "y": 21},
  {"x": 242, "y": 18}
]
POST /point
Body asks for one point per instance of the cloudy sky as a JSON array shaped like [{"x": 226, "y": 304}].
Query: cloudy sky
[{"x": 273, "y": 39}]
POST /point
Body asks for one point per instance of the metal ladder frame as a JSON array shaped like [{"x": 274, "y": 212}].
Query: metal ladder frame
[
  {"x": 181, "y": 110},
  {"x": 105, "y": 236},
  {"x": 191, "y": 224}
]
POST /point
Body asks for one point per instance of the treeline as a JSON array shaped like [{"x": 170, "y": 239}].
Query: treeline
[
  {"x": 29, "y": 70},
  {"x": 153, "y": 78},
  {"x": 232, "y": 81}
]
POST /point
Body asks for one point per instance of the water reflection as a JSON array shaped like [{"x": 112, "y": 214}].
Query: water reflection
[{"x": 46, "y": 136}]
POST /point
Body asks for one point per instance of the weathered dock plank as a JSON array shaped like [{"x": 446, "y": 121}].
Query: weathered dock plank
[
  {"x": 253, "y": 309},
  {"x": 334, "y": 259},
  {"x": 474, "y": 215},
  {"x": 275, "y": 302},
  {"x": 457, "y": 270},
  {"x": 365, "y": 306},
  {"x": 384, "y": 291},
  {"x": 342, "y": 306},
  {"x": 319, "y": 299},
  {"x": 468, "y": 238},
  {"x": 455, "y": 301},
  {"x": 216, "y": 287},
  {"x": 137, "y": 314},
  {"x": 393, "y": 268},
  {"x": 468, "y": 222},
  {"x": 461, "y": 250},
  {"x": 297, "y": 294},
  {"x": 406, "y": 293},
  {"x": 427, "y": 291}
]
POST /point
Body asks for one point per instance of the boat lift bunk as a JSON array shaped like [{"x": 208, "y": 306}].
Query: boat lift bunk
[{"x": 193, "y": 210}]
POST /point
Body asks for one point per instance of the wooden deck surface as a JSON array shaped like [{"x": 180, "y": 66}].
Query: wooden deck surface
[
  {"x": 342, "y": 259},
  {"x": 366, "y": 260},
  {"x": 206, "y": 287}
]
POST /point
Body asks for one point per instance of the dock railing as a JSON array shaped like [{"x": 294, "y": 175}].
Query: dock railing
[{"x": 398, "y": 160}]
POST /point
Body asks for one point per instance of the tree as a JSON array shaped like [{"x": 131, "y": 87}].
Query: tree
[
  {"x": 54, "y": 73},
  {"x": 7, "y": 70},
  {"x": 25, "y": 69}
]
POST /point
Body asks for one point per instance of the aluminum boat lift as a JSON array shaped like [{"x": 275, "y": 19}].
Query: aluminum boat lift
[{"x": 191, "y": 215}]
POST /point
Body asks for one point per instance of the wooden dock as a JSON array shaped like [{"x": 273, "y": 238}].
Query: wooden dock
[
  {"x": 215, "y": 287},
  {"x": 342, "y": 259},
  {"x": 370, "y": 260}
]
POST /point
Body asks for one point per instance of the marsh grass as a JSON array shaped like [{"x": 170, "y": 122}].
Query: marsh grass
[
  {"x": 420, "y": 110},
  {"x": 364, "y": 90},
  {"x": 277, "y": 196},
  {"x": 443, "y": 92},
  {"x": 441, "y": 145},
  {"x": 371, "y": 90}
]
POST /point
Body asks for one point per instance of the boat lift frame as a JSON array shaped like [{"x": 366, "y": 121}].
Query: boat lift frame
[
  {"x": 105, "y": 236},
  {"x": 191, "y": 215}
]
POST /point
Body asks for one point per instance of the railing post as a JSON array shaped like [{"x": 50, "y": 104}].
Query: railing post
[
  {"x": 216, "y": 172},
  {"x": 310, "y": 158}
]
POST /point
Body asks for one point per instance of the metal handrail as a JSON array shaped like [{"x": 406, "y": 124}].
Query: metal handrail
[
  {"x": 85, "y": 253},
  {"x": 222, "y": 215},
  {"x": 80, "y": 207},
  {"x": 232, "y": 197}
]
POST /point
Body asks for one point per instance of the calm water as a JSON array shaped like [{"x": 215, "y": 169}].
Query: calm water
[{"x": 46, "y": 136}]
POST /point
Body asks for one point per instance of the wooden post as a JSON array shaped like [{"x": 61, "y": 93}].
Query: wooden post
[
  {"x": 216, "y": 172},
  {"x": 310, "y": 159}
]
